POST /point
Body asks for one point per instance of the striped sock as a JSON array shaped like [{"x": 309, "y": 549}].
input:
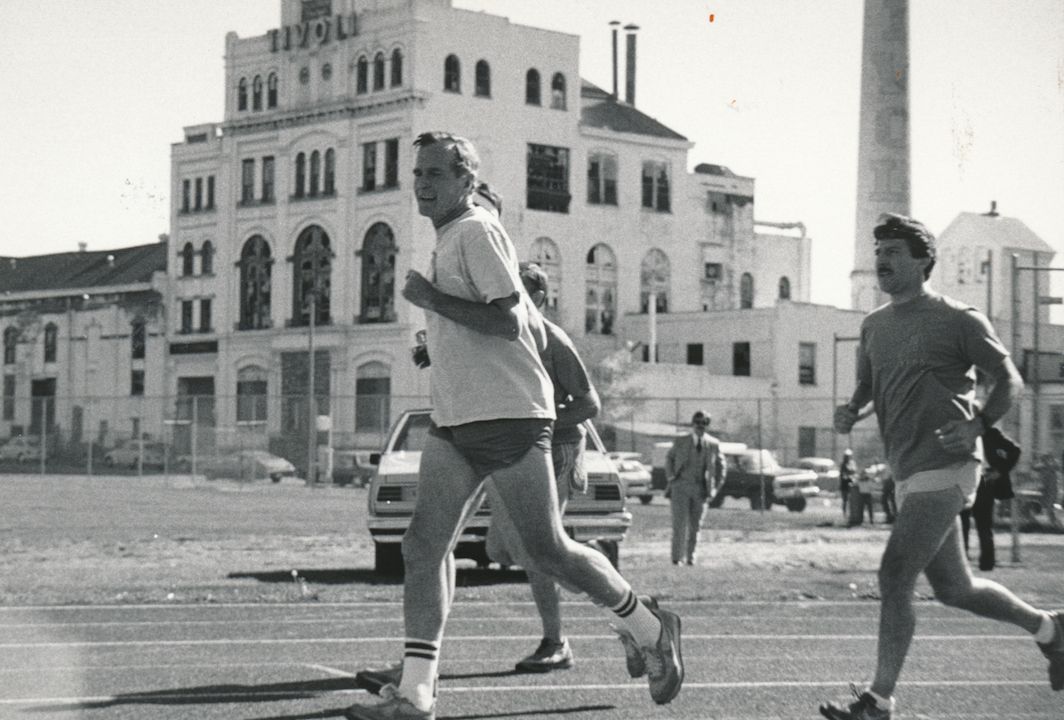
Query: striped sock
[
  {"x": 421, "y": 661},
  {"x": 638, "y": 620}
]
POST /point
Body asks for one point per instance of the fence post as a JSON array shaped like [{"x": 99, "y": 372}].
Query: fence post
[
  {"x": 760, "y": 452},
  {"x": 195, "y": 430},
  {"x": 44, "y": 431}
]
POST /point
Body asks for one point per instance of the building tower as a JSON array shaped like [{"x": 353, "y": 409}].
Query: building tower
[{"x": 883, "y": 165}]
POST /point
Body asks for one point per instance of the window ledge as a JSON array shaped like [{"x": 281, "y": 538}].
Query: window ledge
[{"x": 378, "y": 190}]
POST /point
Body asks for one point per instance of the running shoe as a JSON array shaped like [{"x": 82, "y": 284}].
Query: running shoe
[
  {"x": 864, "y": 709},
  {"x": 664, "y": 660},
  {"x": 1054, "y": 651},
  {"x": 392, "y": 706},
  {"x": 548, "y": 656},
  {"x": 373, "y": 679}
]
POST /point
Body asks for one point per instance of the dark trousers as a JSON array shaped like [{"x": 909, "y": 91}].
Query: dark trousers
[{"x": 982, "y": 511}]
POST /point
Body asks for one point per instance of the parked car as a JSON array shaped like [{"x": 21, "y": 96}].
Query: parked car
[
  {"x": 598, "y": 517},
  {"x": 22, "y": 448},
  {"x": 827, "y": 472},
  {"x": 240, "y": 465},
  {"x": 755, "y": 474},
  {"x": 635, "y": 474},
  {"x": 127, "y": 454},
  {"x": 352, "y": 467}
]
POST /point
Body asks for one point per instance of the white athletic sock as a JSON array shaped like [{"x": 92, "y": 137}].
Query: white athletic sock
[
  {"x": 881, "y": 702},
  {"x": 638, "y": 620},
  {"x": 421, "y": 661},
  {"x": 1046, "y": 631}
]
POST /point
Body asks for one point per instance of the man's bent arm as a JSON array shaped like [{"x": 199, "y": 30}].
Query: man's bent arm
[
  {"x": 578, "y": 409},
  {"x": 499, "y": 318},
  {"x": 1008, "y": 384}
]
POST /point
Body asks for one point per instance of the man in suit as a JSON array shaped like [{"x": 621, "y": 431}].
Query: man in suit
[{"x": 688, "y": 465}]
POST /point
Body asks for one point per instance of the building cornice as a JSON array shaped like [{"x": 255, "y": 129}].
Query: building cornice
[{"x": 333, "y": 111}]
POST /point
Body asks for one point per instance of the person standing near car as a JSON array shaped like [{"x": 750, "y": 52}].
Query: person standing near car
[
  {"x": 493, "y": 413},
  {"x": 688, "y": 467},
  {"x": 916, "y": 362},
  {"x": 847, "y": 471}
]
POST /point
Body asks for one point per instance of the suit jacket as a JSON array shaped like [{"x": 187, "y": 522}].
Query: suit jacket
[{"x": 683, "y": 463}]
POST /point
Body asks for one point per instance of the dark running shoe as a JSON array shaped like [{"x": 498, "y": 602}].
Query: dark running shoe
[
  {"x": 548, "y": 656},
  {"x": 664, "y": 659},
  {"x": 864, "y": 709},
  {"x": 1054, "y": 652},
  {"x": 373, "y": 679},
  {"x": 633, "y": 654}
]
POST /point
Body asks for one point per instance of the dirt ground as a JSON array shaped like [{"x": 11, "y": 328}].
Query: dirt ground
[{"x": 104, "y": 540}]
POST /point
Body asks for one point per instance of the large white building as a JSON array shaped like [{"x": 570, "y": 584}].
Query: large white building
[{"x": 305, "y": 184}]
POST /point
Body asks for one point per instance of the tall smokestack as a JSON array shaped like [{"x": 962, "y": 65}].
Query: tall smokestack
[
  {"x": 629, "y": 85},
  {"x": 614, "y": 24}
]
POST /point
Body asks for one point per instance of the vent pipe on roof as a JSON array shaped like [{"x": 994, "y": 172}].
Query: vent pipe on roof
[
  {"x": 83, "y": 246},
  {"x": 629, "y": 86},
  {"x": 993, "y": 209},
  {"x": 614, "y": 24}
]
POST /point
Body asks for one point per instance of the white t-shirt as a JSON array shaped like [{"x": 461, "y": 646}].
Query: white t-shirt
[{"x": 476, "y": 376}]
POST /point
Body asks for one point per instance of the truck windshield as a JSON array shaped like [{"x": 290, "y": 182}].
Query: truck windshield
[
  {"x": 412, "y": 436},
  {"x": 759, "y": 461}
]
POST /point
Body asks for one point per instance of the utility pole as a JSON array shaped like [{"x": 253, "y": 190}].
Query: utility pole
[{"x": 311, "y": 414}]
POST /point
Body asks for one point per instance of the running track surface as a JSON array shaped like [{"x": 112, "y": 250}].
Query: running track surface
[{"x": 296, "y": 662}]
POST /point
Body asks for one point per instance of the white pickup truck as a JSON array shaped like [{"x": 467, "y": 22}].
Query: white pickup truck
[{"x": 598, "y": 517}]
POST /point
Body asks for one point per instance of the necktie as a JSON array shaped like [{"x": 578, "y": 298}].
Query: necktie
[{"x": 698, "y": 446}]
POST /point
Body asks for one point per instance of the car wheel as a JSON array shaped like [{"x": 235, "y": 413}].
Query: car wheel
[
  {"x": 646, "y": 499},
  {"x": 796, "y": 504},
  {"x": 388, "y": 559},
  {"x": 276, "y": 477}
]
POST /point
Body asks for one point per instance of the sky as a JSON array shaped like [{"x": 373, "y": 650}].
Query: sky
[{"x": 96, "y": 91}]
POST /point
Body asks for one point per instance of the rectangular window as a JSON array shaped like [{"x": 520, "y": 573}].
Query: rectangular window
[
  {"x": 717, "y": 203},
  {"x": 199, "y": 194},
  {"x": 247, "y": 182},
  {"x": 694, "y": 354},
  {"x": 656, "y": 186},
  {"x": 138, "y": 337},
  {"x": 807, "y": 363},
  {"x": 369, "y": 166},
  {"x": 251, "y": 401},
  {"x": 602, "y": 179},
  {"x": 548, "y": 178},
  {"x": 210, "y": 192},
  {"x": 205, "y": 315},
  {"x": 741, "y": 359},
  {"x": 372, "y": 399},
  {"x": 391, "y": 163},
  {"x": 136, "y": 382},
  {"x": 186, "y": 195},
  {"x": 713, "y": 271},
  {"x": 9, "y": 397},
  {"x": 267, "y": 179},
  {"x": 807, "y": 442},
  {"x": 186, "y": 316}
]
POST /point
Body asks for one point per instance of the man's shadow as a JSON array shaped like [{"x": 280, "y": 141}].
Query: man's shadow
[{"x": 464, "y": 577}]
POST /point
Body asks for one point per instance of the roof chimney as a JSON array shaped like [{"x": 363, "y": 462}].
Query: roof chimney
[
  {"x": 83, "y": 246},
  {"x": 629, "y": 85},
  {"x": 993, "y": 209},
  {"x": 614, "y": 25}
]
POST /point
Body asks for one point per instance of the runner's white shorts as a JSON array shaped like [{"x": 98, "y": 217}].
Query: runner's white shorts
[{"x": 964, "y": 476}]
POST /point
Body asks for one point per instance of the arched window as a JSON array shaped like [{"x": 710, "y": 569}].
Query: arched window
[
  {"x": 373, "y": 389},
  {"x": 311, "y": 279},
  {"x": 557, "y": 92},
  {"x": 378, "y": 275},
  {"x": 255, "y": 264},
  {"x": 242, "y": 94},
  {"x": 378, "y": 71},
  {"x": 329, "y": 179},
  {"x": 207, "y": 258},
  {"x": 138, "y": 339},
  {"x": 483, "y": 79},
  {"x": 654, "y": 278},
  {"x": 271, "y": 90},
  {"x": 10, "y": 342},
  {"x": 256, "y": 93},
  {"x": 51, "y": 335},
  {"x": 785, "y": 288},
  {"x": 362, "y": 75},
  {"x": 746, "y": 291},
  {"x": 315, "y": 173},
  {"x": 452, "y": 74},
  {"x": 397, "y": 67},
  {"x": 545, "y": 254},
  {"x": 532, "y": 96},
  {"x": 251, "y": 394},
  {"x": 188, "y": 260},
  {"x": 301, "y": 175},
  {"x": 600, "y": 279}
]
